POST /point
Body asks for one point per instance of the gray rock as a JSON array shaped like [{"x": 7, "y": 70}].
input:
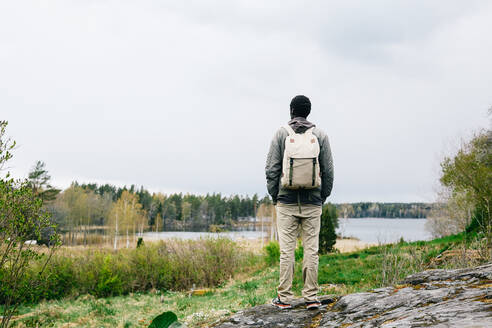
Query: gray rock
[
  {"x": 236, "y": 319},
  {"x": 433, "y": 298}
]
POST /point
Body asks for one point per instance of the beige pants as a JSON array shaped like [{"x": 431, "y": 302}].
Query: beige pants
[{"x": 289, "y": 220}]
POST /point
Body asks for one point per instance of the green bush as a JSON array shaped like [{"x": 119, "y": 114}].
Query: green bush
[
  {"x": 272, "y": 250},
  {"x": 108, "y": 282},
  {"x": 327, "y": 235},
  {"x": 57, "y": 282},
  {"x": 170, "y": 265}
]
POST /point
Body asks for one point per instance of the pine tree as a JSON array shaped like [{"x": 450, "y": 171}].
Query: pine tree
[
  {"x": 39, "y": 181},
  {"x": 327, "y": 235}
]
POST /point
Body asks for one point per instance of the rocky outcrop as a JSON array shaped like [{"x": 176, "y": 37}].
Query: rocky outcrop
[{"x": 434, "y": 298}]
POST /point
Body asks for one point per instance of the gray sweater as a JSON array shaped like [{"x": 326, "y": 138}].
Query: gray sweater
[{"x": 273, "y": 168}]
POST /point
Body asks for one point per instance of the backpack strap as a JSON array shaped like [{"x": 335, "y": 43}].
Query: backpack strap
[
  {"x": 289, "y": 129},
  {"x": 310, "y": 130}
]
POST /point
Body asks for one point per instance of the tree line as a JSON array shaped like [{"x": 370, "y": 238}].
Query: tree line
[
  {"x": 86, "y": 209},
  {"x": 83, "y": 209},
  {"x": 384, "y": 210}
]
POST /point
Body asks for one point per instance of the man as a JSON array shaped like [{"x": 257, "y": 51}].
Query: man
[{"x": 299, "y": 172}]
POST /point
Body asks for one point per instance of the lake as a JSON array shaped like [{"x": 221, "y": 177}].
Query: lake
[
  {"x": 377, "y": 230},
  {"x": 234, "y": 235},
  {"x": 371, "y": 230}
]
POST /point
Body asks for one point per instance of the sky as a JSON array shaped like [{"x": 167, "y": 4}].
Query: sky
[{"x": 185, "y": 96}]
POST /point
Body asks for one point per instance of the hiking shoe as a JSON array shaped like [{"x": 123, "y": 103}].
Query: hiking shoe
[
  {"x": 312, "y": 305},
  {"x": 281, "y": 305}
]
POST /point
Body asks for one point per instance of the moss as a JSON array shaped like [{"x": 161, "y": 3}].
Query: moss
[
  {"x": 484, "y": 299},
  {"x": 418, "y": 286},
  {"x": 316, "y": 320},
  {"x": 483, "y": 284},
  {"x": 390, "y": 321}
]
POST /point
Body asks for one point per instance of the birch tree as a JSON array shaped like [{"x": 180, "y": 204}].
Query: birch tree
[{"x": 127, "y": 215}]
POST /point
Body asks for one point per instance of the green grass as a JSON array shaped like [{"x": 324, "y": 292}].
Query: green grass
[
  {"x": 137, "y": 310},
  {"x": 338, "y": 273}
]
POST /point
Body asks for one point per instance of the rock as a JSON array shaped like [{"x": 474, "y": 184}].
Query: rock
[
  {"x": 433, "y": 298},
  {"x": 269, "y": 316}
]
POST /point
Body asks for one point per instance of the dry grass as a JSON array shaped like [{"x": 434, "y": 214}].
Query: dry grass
[
  {"x": 348, "y": 245},
  {"x": 345, "y": 245}
]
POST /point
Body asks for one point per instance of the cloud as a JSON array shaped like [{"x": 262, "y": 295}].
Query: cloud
[{"x": 186, "y": 95}]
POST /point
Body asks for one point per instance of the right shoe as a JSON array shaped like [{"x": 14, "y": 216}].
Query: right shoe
[
  {"x": 313, "y": 305},
  {"x": 281, "y": 305}
]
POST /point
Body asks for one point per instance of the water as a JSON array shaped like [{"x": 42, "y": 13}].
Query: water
[
  {"x": 376, "y": 230},
  {"x": 234, "y": 235},
  {"x": 371, "y": 230}
]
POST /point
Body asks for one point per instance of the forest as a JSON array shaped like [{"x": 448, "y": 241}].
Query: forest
[
  {"x": 384, "y": 210},
  {"x": 84, "y": 212},
  {"x": 83, "y": 209}
]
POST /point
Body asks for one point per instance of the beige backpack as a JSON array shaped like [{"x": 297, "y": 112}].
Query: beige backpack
[{"x": 300, "y": 167}]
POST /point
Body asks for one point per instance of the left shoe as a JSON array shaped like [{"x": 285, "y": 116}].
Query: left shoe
[
  {"x": 281, "y": 305},
  {"x": 313, "y": 305}
]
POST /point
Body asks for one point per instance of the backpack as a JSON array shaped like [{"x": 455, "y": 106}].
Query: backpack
[{"x": 300, "y": 166}]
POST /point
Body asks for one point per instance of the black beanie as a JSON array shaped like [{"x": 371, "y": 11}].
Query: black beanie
[{"x": 300, "y": 106}]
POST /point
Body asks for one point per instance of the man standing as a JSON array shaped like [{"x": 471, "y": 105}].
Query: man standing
[{"x": 299, "y": 172}]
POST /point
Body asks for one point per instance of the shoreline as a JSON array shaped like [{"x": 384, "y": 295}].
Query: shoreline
[
  {"x": 343, "y": 245},
  {"x": 255, "y": 245},
  {"x": 347, "y": 245}
]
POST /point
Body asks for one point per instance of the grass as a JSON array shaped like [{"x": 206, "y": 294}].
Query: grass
[
  {"x": 171, "y": 265},
  {"x": 138, "y": 309},
  {"x": 339, "y": 273}
]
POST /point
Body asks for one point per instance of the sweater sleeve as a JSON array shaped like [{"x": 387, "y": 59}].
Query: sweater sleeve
[
  {"x": 326, "y": 167},
  {"x": 273, "y": 168}
]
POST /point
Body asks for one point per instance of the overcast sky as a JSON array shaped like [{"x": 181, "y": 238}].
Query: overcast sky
[{"x": 186, "y": 95}]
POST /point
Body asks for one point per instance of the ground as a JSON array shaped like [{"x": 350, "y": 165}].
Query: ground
[
  {"x": 433, "y": 298},
  {"x": 353, "y": 273}
]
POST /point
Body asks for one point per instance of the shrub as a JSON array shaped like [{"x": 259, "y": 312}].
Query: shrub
[
  {"x": 108, "y": 282},
  {"x": 170, "y": 265},
  {"x": 327, "y": 235},
  {"x": 469, "y": 173},
  {"x": 57, "y": 281},
  {"x": 272, "y": 250},
  {"x": 21, "y": 219}
]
